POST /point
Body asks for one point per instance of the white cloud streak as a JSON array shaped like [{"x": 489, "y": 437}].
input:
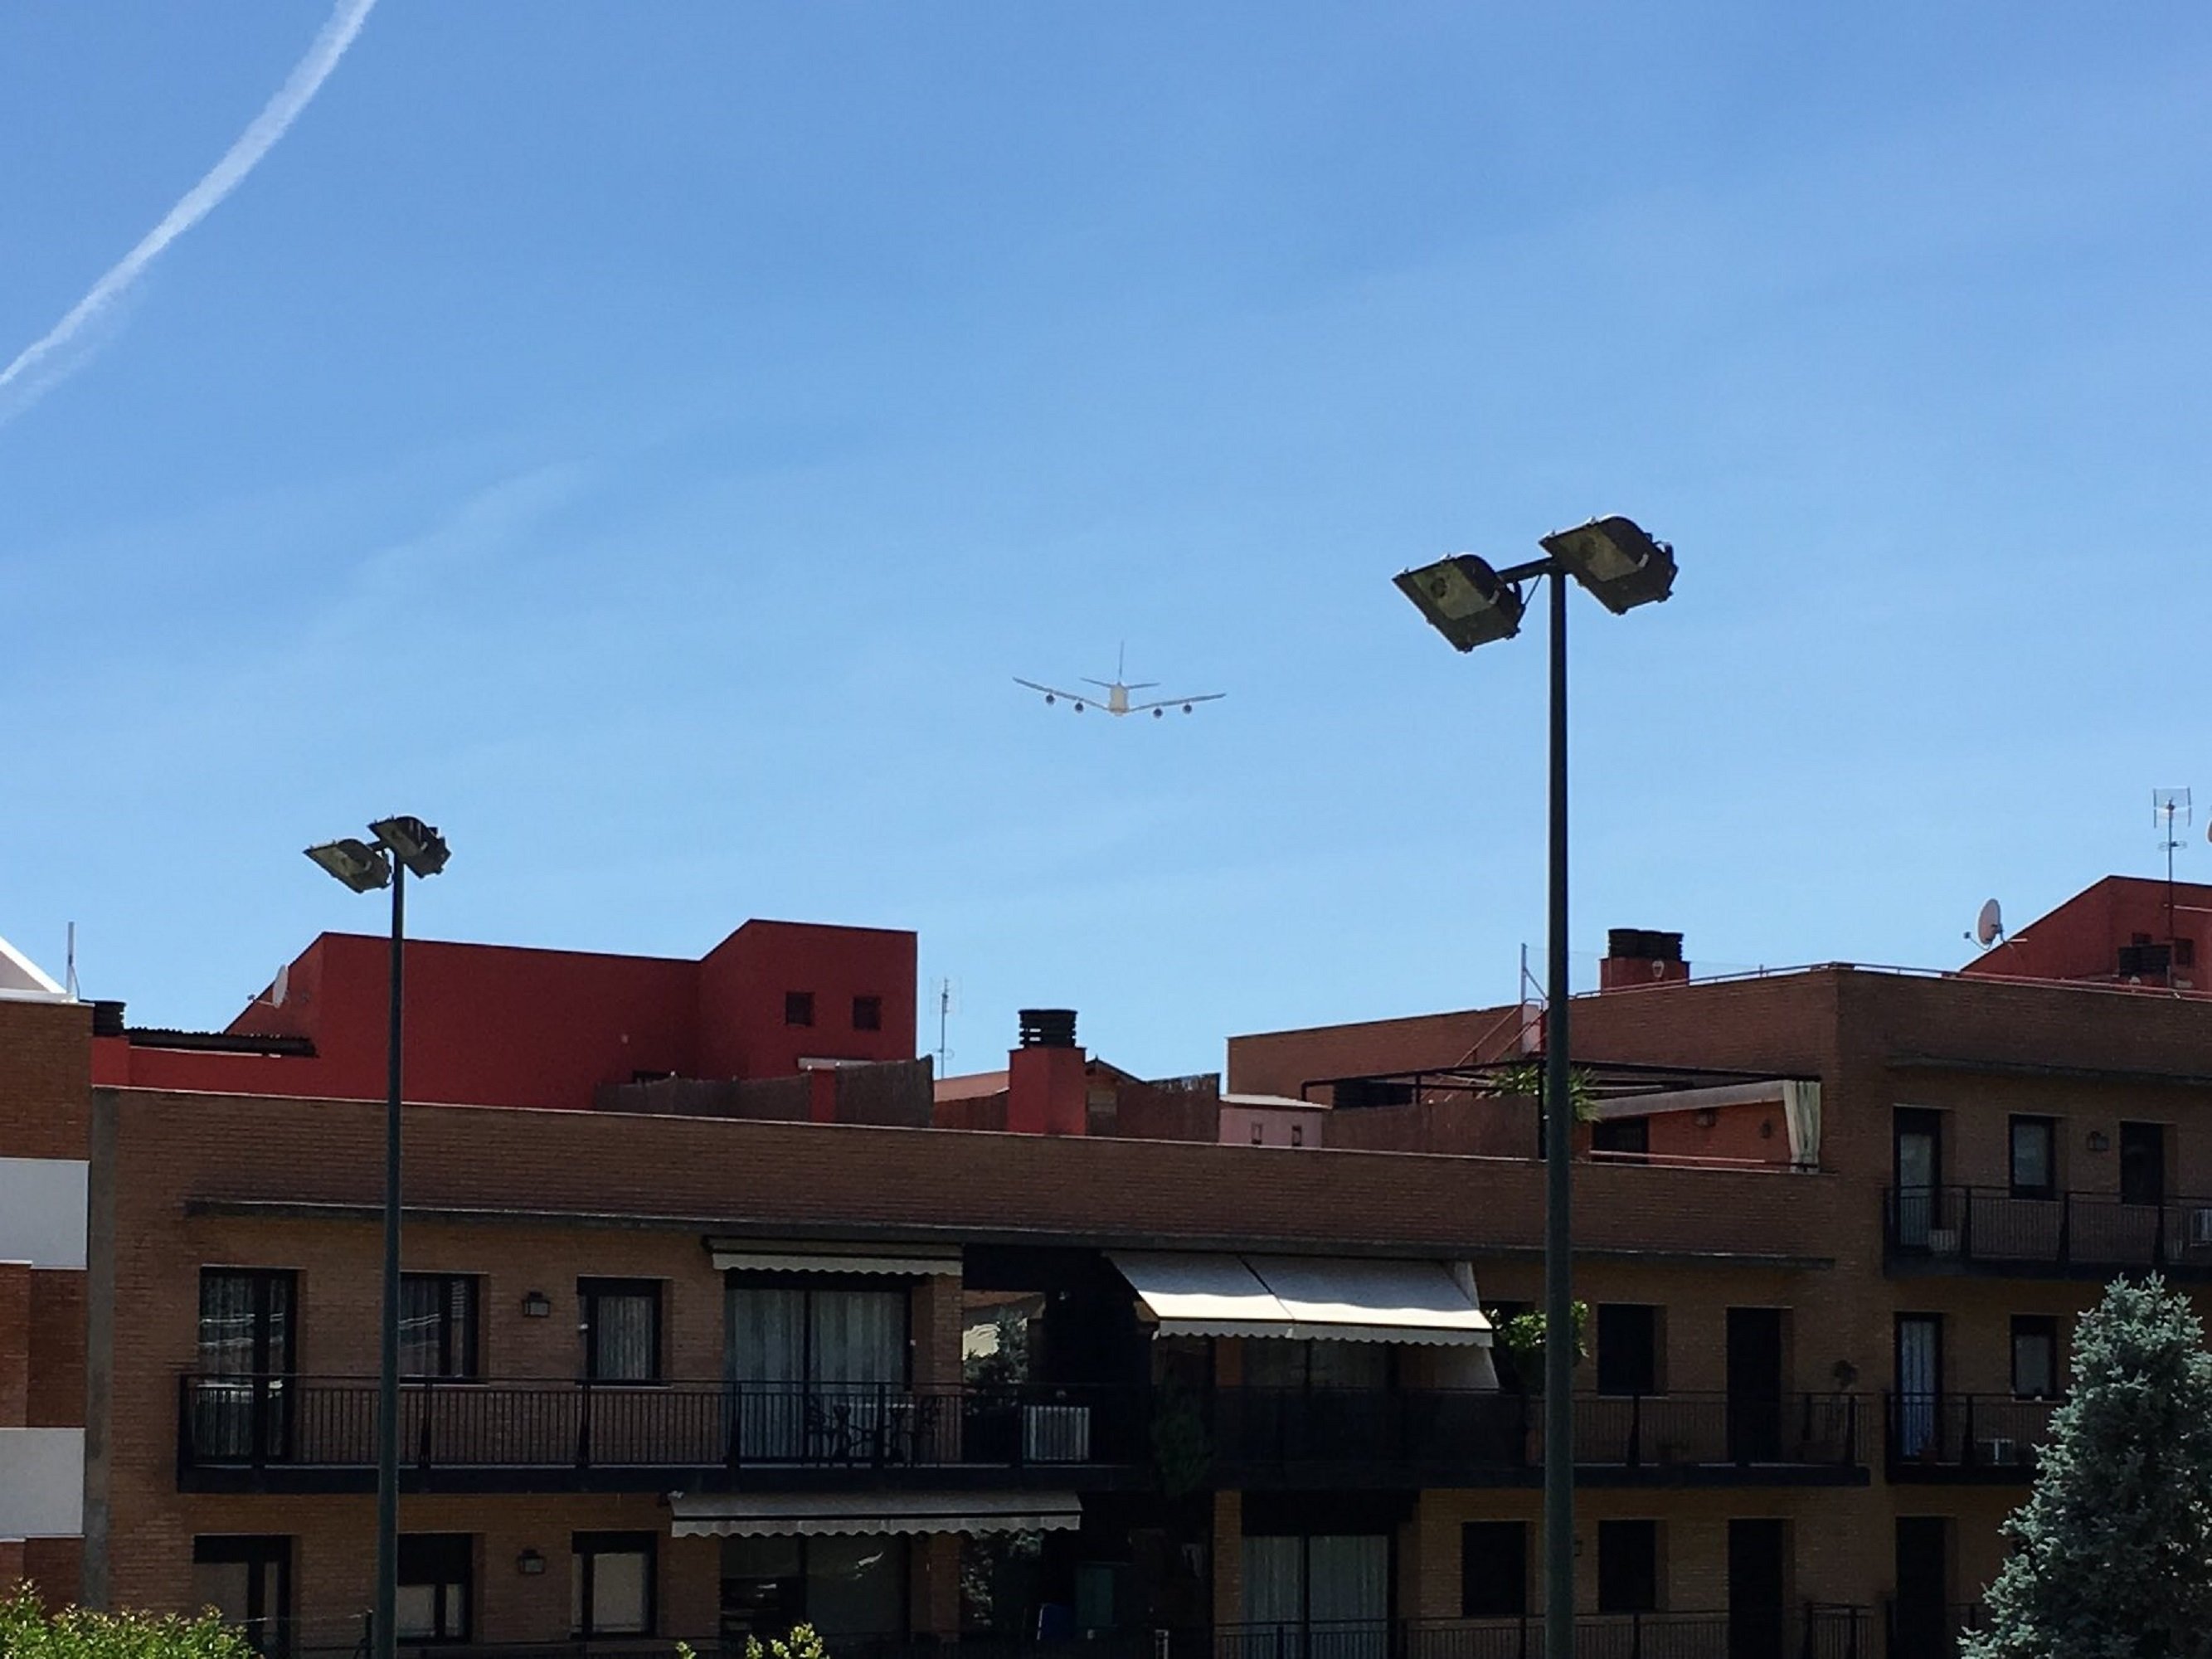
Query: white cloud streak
[{"x": 307, "y": 75}]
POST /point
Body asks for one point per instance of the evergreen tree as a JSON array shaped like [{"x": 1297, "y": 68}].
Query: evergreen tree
[{"x": 2111, "y": 1555}]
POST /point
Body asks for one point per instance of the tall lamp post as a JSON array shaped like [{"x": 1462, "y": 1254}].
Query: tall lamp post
[
  {"x": 1470, "y": 604},
  {"x": 401, "y": 846}
]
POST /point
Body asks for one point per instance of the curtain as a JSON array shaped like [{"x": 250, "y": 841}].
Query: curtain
[
  {"x": 766, "y": 1338},
  {"x": 226, "y": 1324},
  {"x": 1350, "y": 1365},
  {"x": 1272, "y": 1363},
  {"x": 859, "y": 1336},
  {"x": 1348, "y": 1595},
  {"x": 625, "y": 1336},
  {"x": 422, "y": 1312},
  {"x": 1274, "y": 1580},
  {"x": 1916, "y": 1340}
]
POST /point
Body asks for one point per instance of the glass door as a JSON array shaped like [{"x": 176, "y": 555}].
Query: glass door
[
  {"x": 1919, "y": 1382},
  {"x": 1919, "y": 1174}
]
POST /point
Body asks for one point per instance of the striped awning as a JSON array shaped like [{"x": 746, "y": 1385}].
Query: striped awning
[
  {"x": 1305, "y": 1296},
  {"x": 785, "y": 1515}
]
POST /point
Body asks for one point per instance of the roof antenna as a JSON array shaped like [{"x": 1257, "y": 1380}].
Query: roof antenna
[
  {"x": 2169, "y": 810},
  {"x": 948, "y": 998},
  {"x": 69, "y": 972}
]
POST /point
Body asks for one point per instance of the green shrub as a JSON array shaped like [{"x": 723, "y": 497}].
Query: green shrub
[{"x": 28, "y": 1631}]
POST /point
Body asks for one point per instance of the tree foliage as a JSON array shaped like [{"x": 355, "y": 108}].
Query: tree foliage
[
  {"x": 1522, "y": 1336},
  {"x": 803, "y": 1642},
  {"x": 28, "y": 1631},
  {"x": 2112, "y": 1554}
]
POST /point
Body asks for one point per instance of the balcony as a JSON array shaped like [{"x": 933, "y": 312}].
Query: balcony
[
  {"x": 1820, "y": 1631},
  {"x": 1965, "y": 1438},
  {"x": 319, "y": 1434},
  {"x": 1994, "y": 1230},
  {"x": 1441, "y": 1437}
]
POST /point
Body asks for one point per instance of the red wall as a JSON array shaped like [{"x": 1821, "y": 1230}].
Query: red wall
[
  {"x": 2081, "y": 940},
  {"x": 491, "y": 1025}
]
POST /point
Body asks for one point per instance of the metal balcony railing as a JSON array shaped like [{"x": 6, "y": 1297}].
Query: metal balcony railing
[
  {"x": 1992, "y": 1437},
  {"x": 317, "y": 1422},
  {"x": 1473, "y": 1429},
  {"x": 566, "y": 1430},
  {"x": 2004, "y": 1228}
]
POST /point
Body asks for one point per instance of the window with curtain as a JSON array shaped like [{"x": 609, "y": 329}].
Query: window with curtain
[
  {"x": 436, "y": 1571},
  {"x": 611, "y": 1589},
  {"x": 241, "y": 1407},
  {"x": 438, "y": 1325},
  {"x": 622, "y": 1330},
  {"x": 2034, "y": 1356},
  {"x": 819, "y": 1371},
  {"x": 1328, "y": 1595}
]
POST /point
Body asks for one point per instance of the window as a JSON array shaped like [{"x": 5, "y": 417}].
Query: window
[
  {"x": 622, "y": 1330},
  {"x": 1627, "y": 1348},
  {"x": 1493, "y": 1569},
  {"x": 611, "y": 1592},
  {"x": 241, "y": 1409},
  {"x": 798, "y": 1007},
  {"x": 1626, "y": 1138},
  {"x": 2034, "y": 1159},
  {"x": 435, "y": 1571},
  {"x": 1279, "y": 1363},
  {"x": 1627, "y": 1567},
  {"x": 438, "y": 1325},
  {"x": 249, "y": 1581},
  {"x": 2034, "y": 1356},
  {"x": 867, "y": 1013},
  {"x": 820, "y": 1373},
  {"x": 246, "y": 1322},
  {"x": 1341, "y": 1579}
]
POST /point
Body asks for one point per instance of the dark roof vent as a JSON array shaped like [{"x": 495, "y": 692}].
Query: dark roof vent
[
  {"x": 107, "y": 1019},
  {"x": 1047, "y": 1028}
]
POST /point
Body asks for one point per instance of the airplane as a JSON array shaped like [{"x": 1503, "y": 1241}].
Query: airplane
[{"x": 1116, "y": 700}]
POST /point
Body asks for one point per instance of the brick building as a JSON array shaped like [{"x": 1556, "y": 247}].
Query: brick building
[{"x": 705, "y": 1335}]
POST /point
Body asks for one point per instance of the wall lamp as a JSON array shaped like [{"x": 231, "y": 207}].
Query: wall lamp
[
  {"x": 537, "y": 1305},
  {"x": 529, "y": 1563}
]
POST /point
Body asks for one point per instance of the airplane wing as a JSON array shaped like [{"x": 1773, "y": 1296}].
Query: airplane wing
[
  {"x": 1175, "y": 702},
  {"x": 1054, "y": 691}
]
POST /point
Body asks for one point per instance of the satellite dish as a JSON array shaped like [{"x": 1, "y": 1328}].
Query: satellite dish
[{"x": 1988, "y": 926}]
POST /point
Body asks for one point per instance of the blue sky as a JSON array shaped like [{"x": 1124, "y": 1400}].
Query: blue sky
[{"x": 645, "y": 442}]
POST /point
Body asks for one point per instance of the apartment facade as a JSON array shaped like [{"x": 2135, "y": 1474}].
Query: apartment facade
[{"x": 1066, "y": 1356}]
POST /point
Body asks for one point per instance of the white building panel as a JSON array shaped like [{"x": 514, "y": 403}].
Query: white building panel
[
  {"x": 42, "y": 1211},
  {"x": 41, "y": 1483}
]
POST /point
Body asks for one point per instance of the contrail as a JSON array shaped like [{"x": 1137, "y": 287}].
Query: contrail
[{"x": 241, "y": 158}]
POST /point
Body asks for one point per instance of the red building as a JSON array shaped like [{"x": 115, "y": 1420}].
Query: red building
[{"x": 497, "y": 1026}]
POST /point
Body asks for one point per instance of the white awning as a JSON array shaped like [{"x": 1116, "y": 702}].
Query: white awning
[
  {"x": 1305, "y": 1296},
  {"x": 786, "y": 1515},
  {"x": 908, "y": 1262}
]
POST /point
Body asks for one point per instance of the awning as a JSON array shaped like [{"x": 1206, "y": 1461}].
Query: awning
[
  {"x": 1305, "y": 1296},
  {"x": 786, "y": 1515},
  {"x": 907, "y": 1261}
]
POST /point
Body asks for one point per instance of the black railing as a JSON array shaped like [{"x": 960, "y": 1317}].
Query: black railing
[
  {"x": 1813, "y": 1632},
  {"x": 1504, "y": 1432},
  {"x": 228, "y": 1422},
  {"x": 1932, "y": 1631},
  {"x": 579, "y": 1429},
  {"x": 2005, "y": 1229},
  {"x": 1989, "y": 1437}
]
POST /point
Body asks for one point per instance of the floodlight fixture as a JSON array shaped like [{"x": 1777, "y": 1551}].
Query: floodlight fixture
[
  {"x": 1464, "y": 600},
  {"x": 361, "y": 866},
  {"x": 1615, "y": 559},
  {"x": 416, "y": 844}
]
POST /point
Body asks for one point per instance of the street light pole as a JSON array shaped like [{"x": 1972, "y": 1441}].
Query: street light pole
[
  {"x": 401, "y": 845},
  {"x": 385, "y": 1626},
  {"x": 1558, "y": 1152},
  {"x": 1470, "y": 604}
]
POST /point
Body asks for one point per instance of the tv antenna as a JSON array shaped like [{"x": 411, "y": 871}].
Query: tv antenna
[
  {"x": 948, "y": 1004},
  {"x": 2170, "y": 812},
  {"x": 1988, "y": 925}
]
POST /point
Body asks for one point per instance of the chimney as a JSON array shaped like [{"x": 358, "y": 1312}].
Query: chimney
[
  {"x": 1045, "y": 1087},
  {"x": 1637, "y": 955}
]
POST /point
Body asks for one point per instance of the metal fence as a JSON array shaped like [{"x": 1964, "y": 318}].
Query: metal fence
[{"x": 2004, "y": 1227}]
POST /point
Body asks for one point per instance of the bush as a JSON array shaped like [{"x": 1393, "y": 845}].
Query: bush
[{"x": 28, "y": 1631}]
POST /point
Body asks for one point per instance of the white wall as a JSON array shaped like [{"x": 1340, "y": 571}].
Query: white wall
[
  {"x": 41, "y": 1483},
  {"x": 42, "y": 1210}
]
